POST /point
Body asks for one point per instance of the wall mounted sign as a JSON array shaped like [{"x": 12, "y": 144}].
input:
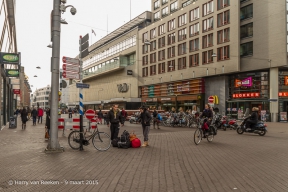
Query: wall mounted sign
[
  {"x": 129, "y": 72},
  {"x": 283, "y": 94},
  {"x": 10, "y": 58},
  {"x": 16, "y": 91},
  {"x": 246, "y": 95},
  {"x": 12, "y": 73},
  {"x": 122, "y": 88},
  {"x": 245, "y": 82}
]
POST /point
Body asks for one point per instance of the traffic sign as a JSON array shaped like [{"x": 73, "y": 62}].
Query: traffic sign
[
  {"x": 82, "y": 85},
  {"x": 69, "y": 60},
  {"x": 72, "y": 68},
  {"x": 70, "y": 75},
  {"x": 90, "y": 114},
  {"x": 211, "y": 99},
  {"x": 84, "y": 39},
  {"x": 84, "y": 44}
]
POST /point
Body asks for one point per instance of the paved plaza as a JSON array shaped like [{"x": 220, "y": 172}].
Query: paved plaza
[{"x": 172, "y": 162}]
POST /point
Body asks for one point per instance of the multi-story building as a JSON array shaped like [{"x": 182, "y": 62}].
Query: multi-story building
[
  {"x": 41, "y": 97},
  {"x": 196, "y": 49},
  {"x": 111, "y": 68},
  {"x": 8, "y": 44}
]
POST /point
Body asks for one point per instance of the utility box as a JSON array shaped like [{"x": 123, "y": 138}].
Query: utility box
[{"x": 13, "y": 122}]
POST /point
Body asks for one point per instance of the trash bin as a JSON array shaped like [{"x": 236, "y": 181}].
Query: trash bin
[{"x": 13, "y": 122}]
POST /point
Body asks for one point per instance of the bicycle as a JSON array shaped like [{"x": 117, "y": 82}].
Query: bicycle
[
  {"x": 198, "y": 134},
  {"x": 100, "y": 140}
]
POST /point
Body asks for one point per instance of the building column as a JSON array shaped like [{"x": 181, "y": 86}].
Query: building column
[{"x": 274, "y": 89}]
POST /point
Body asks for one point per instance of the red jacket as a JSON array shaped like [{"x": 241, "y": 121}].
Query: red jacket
[{"x": 40, "y": 112}]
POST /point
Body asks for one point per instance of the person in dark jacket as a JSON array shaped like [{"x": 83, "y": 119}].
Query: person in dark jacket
[
  {"x": 47, "y": 124},
  {"x": 253, "y": 119},
  {"x": 24, "y": 118},
  {"x": 70, "y": 113},
  {"x": 155, "y": 119},
  {"x": 124, "y": 115},
  {"x": 100, "y": 116},
  {"x": 34, "y": 114},
  {"x": 208, "y": 114},
  {"x": 145, "y": 117},
  {"x": 114, "y": 118}
]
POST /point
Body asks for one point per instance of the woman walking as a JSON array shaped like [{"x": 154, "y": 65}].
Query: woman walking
[
  {"x": 24, "y": 118},
  {"x": 47, "y": 124}
]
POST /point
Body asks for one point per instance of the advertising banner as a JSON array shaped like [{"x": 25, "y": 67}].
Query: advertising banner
[
  {"x": 12, "y": 73},
  {"x": 283, "y": 116},
  {"x": 263, "y": 115},
  {"x": 10, "y": 58}
]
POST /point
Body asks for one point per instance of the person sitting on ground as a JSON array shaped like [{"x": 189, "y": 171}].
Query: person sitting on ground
[{"x": 252, "y": 119}]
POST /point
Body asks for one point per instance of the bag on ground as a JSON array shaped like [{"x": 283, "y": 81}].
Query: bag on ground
[
  {"x": 132, "y": 136},
  {"x": 136, "y": 143},
  {"x": 114, "y": 142},
  {"x": 46, "y": 134},
  {"x": 124, "y": 141}
]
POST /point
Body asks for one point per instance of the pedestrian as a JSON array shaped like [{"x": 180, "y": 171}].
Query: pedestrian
[
  {"x": 34, "y": 114},
  {"x": 24, "y": 117},
  {"x": 100, "y": 115},
  {"x": 155, "y": 119},
  {"x": 114, "y": 118},
  {"x": 40, "y": 114},
  {"x": 145, "y": 117},
  {"x": 124, "y": 115},
  {"x": 70, "y": 112},
  {"x": 105, "y": 118},
  {"x": 28, "y": 113},
  {"x": 47, "y": 123}
]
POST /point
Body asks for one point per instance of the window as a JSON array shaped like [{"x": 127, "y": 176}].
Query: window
[
  {"x": 153, "y": 45},
  {"x": 145, "y": 72},
  {"x": 223, "y": 36},
  {"x": 161, "y": 55},
  {"x": 161, "y": 68},
  {"x": 145, "y": 60},
  {"x": 171, "y": 52},
  {"x": 246, "y": 49},
  {"x": 194, "y": 45},
  {"x": 207, "y": 41},
  {"x": 222, "y": 4},
  {"x": 157, "y": 16},
  {"x": 182, "y": 20},
  {"x": 171, "y": 24},
  {"x": 174, "y": 6},
  {"x": 182, "y": 49},
  {"x": 161, "y": 42},
  {"x": 161, "y": 29},
  {"x": 152, "y": 70},
  {"x": 164, "y": 2},
  {"x": 246, "y": 30},
  {"x": 152, "y": 33},
  {"x": 182, "y": 63},
  {"x": 223, "y": 53},
  {"x": 208, "y": 24},
  {"x": 156, "y": 4},
  {"x": 153, "y": 58},
  {"x": 207, "y": 57},
  {"x": 246, "y": 12},
  {"x": 165, "y": 11},
  {"x": 144, "y": 37},
  {"x": 208, "y": 8},
  {"x": 145, "y": 49},
  {"x": 182, "y": 34},
  {"x": 194, "y": 29},
  {"x": 171, "y": 38},
  {"x": 171, "y": 65},
  {"x": 194, "y": 14},
  {"x": 194, "y": 60},
  {"x": 223, "y": 18}
]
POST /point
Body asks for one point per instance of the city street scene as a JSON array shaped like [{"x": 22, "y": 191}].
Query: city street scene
[{"x": 144, "y": 95}]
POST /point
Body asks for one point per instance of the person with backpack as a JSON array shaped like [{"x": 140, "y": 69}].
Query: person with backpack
[
  {"x": 70, "y": 112},
  {"x": 124, "y": 115},
  {"x": 156, "y": 119},
  {"x": 145, "y": 118},
  {"x": 113, "y": 119}
]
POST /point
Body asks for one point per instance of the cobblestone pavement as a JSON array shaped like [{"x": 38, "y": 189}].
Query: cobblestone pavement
[{"x": 172, "y": 162}]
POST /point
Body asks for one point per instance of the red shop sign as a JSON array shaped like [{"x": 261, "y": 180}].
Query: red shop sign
[
  {"x": 283, "y": 94},
  {"x": 246, "y": 95},
  {"x": 16, "y": 91}
]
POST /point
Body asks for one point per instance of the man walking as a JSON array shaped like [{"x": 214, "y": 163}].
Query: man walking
[
  {"x": 100, "y": 116},
  {"x": 40, "y": 114},
  {"x": 114, "y": 118},
  {"x": 124, "y": 115},
  {"x": 145, "y": 117},
  {"x": 34, "y": 115}
]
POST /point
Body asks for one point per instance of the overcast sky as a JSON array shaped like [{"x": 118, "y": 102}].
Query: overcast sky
[{"x": 33, "y": 29}]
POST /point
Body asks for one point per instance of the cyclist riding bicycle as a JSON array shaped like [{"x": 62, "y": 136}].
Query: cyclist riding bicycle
[{"x": 207, "y": 113}]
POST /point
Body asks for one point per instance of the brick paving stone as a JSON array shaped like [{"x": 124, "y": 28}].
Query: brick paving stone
[{"x": 172, "y": 162}]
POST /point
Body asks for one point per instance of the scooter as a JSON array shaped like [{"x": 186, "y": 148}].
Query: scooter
[
  {"x": 259, "y": 128},
  {"x": 232, "y": 124}
]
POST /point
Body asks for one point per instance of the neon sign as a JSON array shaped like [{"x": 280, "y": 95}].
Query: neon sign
[
  {"x": 245, "y": 82},
  {"x": 246, "y": 95}
]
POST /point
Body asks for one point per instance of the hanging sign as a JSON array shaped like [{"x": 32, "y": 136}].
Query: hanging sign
[
  {"x": 9, "y": 58},
  {"x": 12, "y": 73},
  {"x": 16, "y": 91}
]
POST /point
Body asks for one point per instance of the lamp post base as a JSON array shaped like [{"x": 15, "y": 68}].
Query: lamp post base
[{"x": 58, "y": 150}]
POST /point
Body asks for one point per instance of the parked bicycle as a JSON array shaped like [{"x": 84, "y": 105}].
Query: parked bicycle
[{"x": 100, "y": 140}]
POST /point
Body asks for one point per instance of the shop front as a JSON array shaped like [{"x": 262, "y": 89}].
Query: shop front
[
  {"x": 166, "y": 96},
  {"x": 248, "y": 90},
  {"x": 283, "y": 96}
]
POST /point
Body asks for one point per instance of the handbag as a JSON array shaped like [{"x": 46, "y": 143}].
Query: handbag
[
  {"x": 132, "y": 136},
  {"x": 46, "y": 134}
]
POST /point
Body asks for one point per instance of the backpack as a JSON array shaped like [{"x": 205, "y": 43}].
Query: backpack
[
  {"x": 124, "y": 141},
  {"x": 159, "y": 117}
]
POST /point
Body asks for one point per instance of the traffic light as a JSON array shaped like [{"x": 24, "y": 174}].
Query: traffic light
[{"x": 59, "y": 95}]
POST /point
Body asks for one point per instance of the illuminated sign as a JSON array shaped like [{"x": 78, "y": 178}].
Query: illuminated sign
[
  {"x": 9, "y": 58},
  {"x": 245, "y": 82},
  {"x": 246, "y": 95},
  {"x": 12, "y": 73},
  {"x": 283, "y": 94},
  {"x": 286, "y": 80}
]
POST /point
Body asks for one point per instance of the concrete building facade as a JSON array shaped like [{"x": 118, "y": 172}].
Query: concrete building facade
[{"x": 41, "y": 97}]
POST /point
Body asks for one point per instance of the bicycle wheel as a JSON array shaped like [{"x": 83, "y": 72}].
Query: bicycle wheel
[
  {"x": 74, "y": 140},
  {"x": 197, "y": 136},
  {"x": 101, "y": 141},
  {"x": 210, "y": 137}
]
